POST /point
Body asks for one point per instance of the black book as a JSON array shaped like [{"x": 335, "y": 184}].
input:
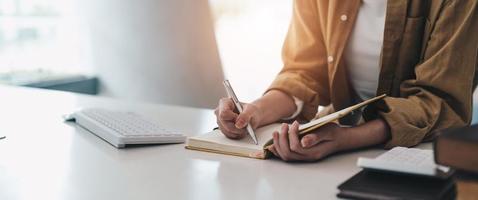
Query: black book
[
  {"x": 458, "y": 148},
  {"x": 370, "y": 184}
]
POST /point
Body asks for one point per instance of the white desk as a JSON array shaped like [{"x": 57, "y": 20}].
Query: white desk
[{"x": 44, "y": 158}]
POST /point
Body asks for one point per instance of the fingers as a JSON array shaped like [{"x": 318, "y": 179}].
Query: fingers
[
  {"x": 288, "y": 147},
  {"x": 309, "y": 140},
  {"x": 226, "y": 119},
  {"x": 283, "y": 140},
  {"x": 226, "y": 104},
  {"x": 312, "y": 154},
  {"x": 245, "y": 117},
  {"x": 294, "y": 143},
  {"x": 228, "y": 129},
  {"x": 227, "y": 115},
  {"x": 320, "y": 151},
  {"x": 230, "y": 122},
  {"x": 281, "y": 145},
  {"x": 275, "y": 139},
  {"x": 323, "y": 134},
  {"x": 225, "y": 110},
  {"x": 321, "y": 143},
  {"x": 313, "y": 139},
  {"x": 277, "y": 148},
  {"x": 273, "y": 150}
]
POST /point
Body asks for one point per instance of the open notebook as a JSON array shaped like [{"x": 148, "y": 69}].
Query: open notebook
[{"x": 216, "y": 142}]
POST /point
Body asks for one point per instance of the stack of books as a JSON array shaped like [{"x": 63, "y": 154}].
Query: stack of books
[{"x": 448, "y": 172}]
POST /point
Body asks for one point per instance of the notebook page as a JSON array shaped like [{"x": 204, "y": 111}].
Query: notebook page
[{"x": 264, "y": 134}]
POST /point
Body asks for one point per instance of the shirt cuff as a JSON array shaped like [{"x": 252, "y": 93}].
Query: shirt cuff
[{"x": 299, "y": 104}]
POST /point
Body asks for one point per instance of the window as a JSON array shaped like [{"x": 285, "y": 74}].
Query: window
[
  {"x": 39, "y": 35},
  {"x": 250, "y": 34}
]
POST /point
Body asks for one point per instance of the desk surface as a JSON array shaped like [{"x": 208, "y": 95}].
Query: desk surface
[{"x": 44, "y": 158}]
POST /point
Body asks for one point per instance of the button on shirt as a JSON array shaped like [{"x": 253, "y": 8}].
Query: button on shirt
[{"x": 362, "y": 53}]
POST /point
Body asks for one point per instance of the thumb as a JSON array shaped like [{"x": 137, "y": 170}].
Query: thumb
[
  {"x": 312, "y": 139},
  {"x": 244, "y": 117}
]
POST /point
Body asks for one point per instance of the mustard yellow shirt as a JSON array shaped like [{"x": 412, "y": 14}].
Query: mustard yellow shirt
[{"x": 427, "y": 66}]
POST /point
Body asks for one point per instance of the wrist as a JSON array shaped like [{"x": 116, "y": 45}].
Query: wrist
[
  {"x": 341, "y": 134},
  {"x": 273, "y": 106},
  {"x": 259, "y": 114},
  {"x": 368, "y": 134}
]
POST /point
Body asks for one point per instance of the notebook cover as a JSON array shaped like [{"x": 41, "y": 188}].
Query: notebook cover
[{"x": 380, "y": 185}]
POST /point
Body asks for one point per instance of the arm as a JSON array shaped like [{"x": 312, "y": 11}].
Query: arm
[
  {"x": 440, "y": 94},
  {"x": 304, "y": 76},
  {"x": 274, "y": 105},
  {"x": 328, "y": 139},
  {"x": 305, "y": 71},
  {"x": 438, "y": 97}
]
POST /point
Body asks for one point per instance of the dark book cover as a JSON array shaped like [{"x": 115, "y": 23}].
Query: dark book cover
[
  {"x": 458, "y": 148},
  {"x": 383, "y": 186}
]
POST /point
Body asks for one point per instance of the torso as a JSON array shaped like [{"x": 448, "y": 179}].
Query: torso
[{"x": 362, "y": 52}]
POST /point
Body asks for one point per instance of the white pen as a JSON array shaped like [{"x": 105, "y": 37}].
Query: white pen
[{"x": 232, "y": 95}]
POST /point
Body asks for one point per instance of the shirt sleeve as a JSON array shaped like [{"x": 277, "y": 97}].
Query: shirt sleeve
[
  {"x": 305, "y": 73},
  {"x": 299, "y": 104},
  {"x": 440, "y": 96}
]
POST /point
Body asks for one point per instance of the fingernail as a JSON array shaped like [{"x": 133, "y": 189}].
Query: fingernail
[
  {"x": 275, "y": 134},
  {"x": 285, "y": 126},
  {"x": 240, "y": 123},
  {"x": 304, "y": 143}
]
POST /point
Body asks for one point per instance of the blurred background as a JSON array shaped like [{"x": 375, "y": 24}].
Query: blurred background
[
  {"x": 107, "y": 47},
  {"x": 161, "y": 51}
]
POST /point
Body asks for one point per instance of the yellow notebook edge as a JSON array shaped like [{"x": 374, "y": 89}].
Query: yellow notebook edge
[
  {"x": 344, "y": 111},
  {"x": 266, "y": 154},
  {"x": 364, "y": 103}
]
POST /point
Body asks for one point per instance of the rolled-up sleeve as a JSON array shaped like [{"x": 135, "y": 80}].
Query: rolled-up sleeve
[
  {"x": 304, "y": 74},
  {"x": 440, "y": 96}
]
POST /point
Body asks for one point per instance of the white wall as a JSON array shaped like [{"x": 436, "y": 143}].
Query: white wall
[
  {"x": 154, "y": 50},
  {"x": 253, "y": 58}
]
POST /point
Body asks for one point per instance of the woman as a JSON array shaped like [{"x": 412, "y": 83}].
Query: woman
[{"x": 421, "y": 53}]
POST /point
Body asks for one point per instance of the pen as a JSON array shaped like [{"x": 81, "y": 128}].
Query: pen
[{"x": 232, "y": 95}]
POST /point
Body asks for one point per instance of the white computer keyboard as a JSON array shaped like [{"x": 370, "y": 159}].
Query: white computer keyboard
[
  {"x": 405, "y": 160},
  {"x": 122, "y": 128}
]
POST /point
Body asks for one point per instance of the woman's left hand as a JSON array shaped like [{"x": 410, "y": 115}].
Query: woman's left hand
[{"x": 311, "y": 147}]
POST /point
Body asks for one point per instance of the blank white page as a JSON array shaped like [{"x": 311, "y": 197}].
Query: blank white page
[{"x": 264, "y": 134}]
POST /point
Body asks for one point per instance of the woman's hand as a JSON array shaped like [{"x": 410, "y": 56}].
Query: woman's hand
[
  {"x": 233, "y": 124},
  {"x": 327, "y": 140},
  {"x": 311, "y": 147},
  {"x": 271, "y": 107}
]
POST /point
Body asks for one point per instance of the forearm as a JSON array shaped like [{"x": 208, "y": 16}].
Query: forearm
[
  {"x": 275, "y": 105},
  {"x": 371, "y": 133}
]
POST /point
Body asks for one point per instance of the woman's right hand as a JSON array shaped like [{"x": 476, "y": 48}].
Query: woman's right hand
[{"x": 233, "y": 125}]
